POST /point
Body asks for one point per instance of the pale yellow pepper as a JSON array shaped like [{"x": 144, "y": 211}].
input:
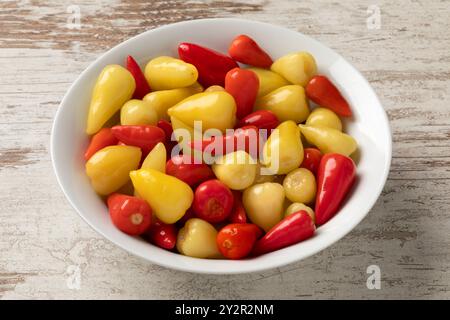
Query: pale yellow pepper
[
  {"x": 162, "y": 100},
  {"x": 283, "y": 151},
  {"x": 138, "y": 112},
  {"x": 168, "y": 196},
  {"x": 264, "y": 204},
  {"x": 300, "y": 186},
  {"x": 329, "y": 140},
  {"x": 268, "y": 81},
  {"x": 109, "y": 168},
  {"x": 215, "y": 110},
  {"x": 214, "y": 88},
  {"x": 287, "y": 102},
  {"x": 297, "y": 68},
  {"x": 237, "y": 170},
  {"x": 114, "y": 86},
  {"x": 164, "y": 73},
  {"x": 156, "y": 159},
  {"x": 324, "y": 117},
  {"x": 198, "y": 239}
]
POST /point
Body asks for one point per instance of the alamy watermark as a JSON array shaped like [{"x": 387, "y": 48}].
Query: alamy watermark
[
  {"x": 374, "y": 278},
  {"x": 209, "y": 145},
  {"x": 74, "y": 18},
  {"x": 373, "y": 20},
  {"x": 73, "y": 281}
]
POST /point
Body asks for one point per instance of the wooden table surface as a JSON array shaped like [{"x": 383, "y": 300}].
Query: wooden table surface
[{"x": 45, "y": 247}]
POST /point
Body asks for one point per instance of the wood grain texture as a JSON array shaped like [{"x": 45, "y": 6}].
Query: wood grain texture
[{"x": 43, "y": 242}]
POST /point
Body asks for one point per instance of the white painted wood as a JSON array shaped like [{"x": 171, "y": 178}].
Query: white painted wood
[{"x": 43, "y": 242}]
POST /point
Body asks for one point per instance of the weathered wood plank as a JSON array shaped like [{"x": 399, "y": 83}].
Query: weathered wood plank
[{"x": 44, "y": 244}]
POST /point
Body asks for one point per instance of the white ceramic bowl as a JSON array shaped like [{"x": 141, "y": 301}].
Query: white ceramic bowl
[{"x": 369, "y": 127}]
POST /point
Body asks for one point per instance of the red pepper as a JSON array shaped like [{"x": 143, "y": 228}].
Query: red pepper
[
  {"x": 245, "y": 138},
  {"x": 100, "y": 140},
  {"x": 262, "y": 119},
  {"x": 213, "y": 201},
  {"x": 166, "y": 126},
  {"x": 129, "y": 214},
  {"x": 244, "y": 49},
  {"x": 235, "y": 241},
  {"x": 323, "y": 92},
  {"x": 184, "y": 168},
  {"x": 335, "y": 177},
  {"x": 142, "y": 136},
  {"x": 311, "y": 159},
  {"x": 243, "y": 85},
  {"x": 238, "y": 214},
  {"x": 142, "y": 87},
  {"x": 212, "y": 66},
  {"x": 163, "y": 235},
  {"x": 292, "y": 229}
]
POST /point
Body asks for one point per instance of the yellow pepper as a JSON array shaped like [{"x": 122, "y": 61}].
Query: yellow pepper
[
  {"x": 214, "y": 109},
  {"x": 138, "y": 112},
  {"x": 168, "y": 196},
  {"x": 287, "y": 102},
  {"x": 109, "y": 167},
  {"x": 114, "y": 86},
  {"x": 268, "y": 81},
  {"x": 156, "y": 159},
  {"x": 237, "y": 170},
  {"x": 297, "y": 68},
  {"x": 264, "y": 204},
  {"x": 164, "y": 73},
  {"x": 184, "y": 134},
  {"x": 323, "y": 117},
  {"x": 198, "y": 239},
  {"x": 162, "y": 100},
  {"x": 283, "y": 151},
  {"x": 329, "y": 140}
]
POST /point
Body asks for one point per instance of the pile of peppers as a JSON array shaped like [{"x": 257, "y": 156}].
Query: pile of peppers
[{"x": 226, "y": 209}]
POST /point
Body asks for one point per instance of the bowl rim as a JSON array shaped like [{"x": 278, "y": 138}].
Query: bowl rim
[{"x": 257, "y": 267}]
